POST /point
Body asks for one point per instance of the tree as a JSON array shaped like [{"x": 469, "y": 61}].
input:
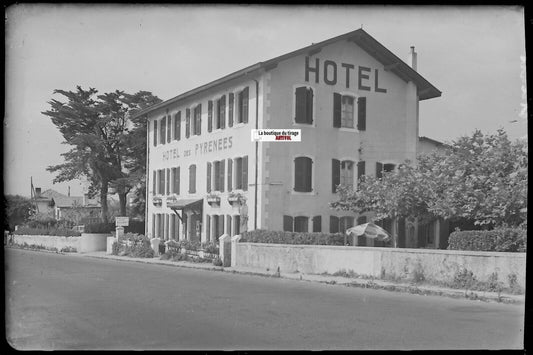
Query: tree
[
  {"x": 97, "y": 127},
  {"x": 17, "y": 211},
  {"x": 483, "y": 178}
]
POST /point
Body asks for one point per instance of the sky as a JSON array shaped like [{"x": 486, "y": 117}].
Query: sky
[{"x": 474, "y": 55}]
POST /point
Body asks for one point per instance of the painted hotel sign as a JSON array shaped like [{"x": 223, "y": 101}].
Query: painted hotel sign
[
  {"x": 365, "y": 78},
  {"x": 202, "y": 148}
]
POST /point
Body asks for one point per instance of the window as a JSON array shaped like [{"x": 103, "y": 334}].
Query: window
[
  {"x": 303, "y": 174},
  {"x": 301, "y": 224},
  {"x": 177, "y": 126},
  {"x": 163, "y": 128},
  {"x": 208, "y": 180},
  {"x": 347, "y": 111},
  {"x": 303, "y": 105},
  {"x": 333, "y": 224},
  {"x": 172, "y": 226},
  {"x": 380, "y": 168},
  {"x": 176, "y": 180},
  {"x": 345, "y": 223},
  {"x": 169, "y": 128},
  {"x": 346, "y": 174},
  {"x": 155, "y": 132},
  {"x": 197, "y": 129},
  {"x": 344, "y": 111},
  {"x": 342, "y": 173},
  {"x": 360, "y": 170},
  {"x": 165, "y": 227},
  {"x": 220, "y": 122},
  {"x": 154, "y": 190},
  {"x": 241, "y": 173},
  {"x": 242, "y": 106},
  {"x": 208, "y": 227},
  {"x": 217, "y": 227},
  {"x": 219, "y": 175},
  {"x": 192, "y": 179},
  {"x": 237, "y": 225},
  {"x": 317, "y": 224},
  {"x": 288, "y": 224}
]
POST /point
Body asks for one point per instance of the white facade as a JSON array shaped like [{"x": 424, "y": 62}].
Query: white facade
[{"x": 356, "y": 104}]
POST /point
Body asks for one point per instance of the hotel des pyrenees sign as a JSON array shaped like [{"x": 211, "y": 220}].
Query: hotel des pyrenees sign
[{"x": 202, "y": 148}]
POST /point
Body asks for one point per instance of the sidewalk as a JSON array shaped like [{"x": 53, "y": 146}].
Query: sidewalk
[{"x": 420, "y": 289}]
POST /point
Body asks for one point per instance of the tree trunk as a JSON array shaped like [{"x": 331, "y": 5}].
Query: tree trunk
[
  {"x": 122, "y": 202},
  {"x": 103, "y": 201}
]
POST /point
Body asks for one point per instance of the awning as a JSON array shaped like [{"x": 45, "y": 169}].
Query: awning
[{"x": 184, "y": 204}]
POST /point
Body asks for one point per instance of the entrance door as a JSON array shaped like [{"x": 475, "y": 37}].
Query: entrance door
[{"x": 195, "y": 227}]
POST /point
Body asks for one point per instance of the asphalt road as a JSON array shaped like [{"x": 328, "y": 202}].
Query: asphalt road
[{"x": 71, "y": 302}]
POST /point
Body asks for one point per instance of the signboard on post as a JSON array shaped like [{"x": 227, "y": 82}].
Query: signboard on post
[{"x": 122, "y": 221}]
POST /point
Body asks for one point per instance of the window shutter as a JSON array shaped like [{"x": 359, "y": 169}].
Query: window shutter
[
  {"x": 379, "y": 170},
  {"x": 188, "y": 123},
  {"x": 298, "y": 174},
  {"x": 169, "y": 129},
  {"x": 177, "y": 126},
  {"x": 230, "y": 110},
  {"x": 309, "y": 106},
  {"x": 154, "y": 191},
  {"x": 335, "y": 174},
  {"x": 360, "y": 170},
  {"x": 230, "y": 173},
  {"x": 317, "y": 224},
  {"x": 162, "y": 181},
  {"x": 287, "y": 224},
  {"x": 300, "y": 105},
  {"x": 209, "y": 115},
  {"x": 308, "y": 174},
  {"x": 221, "y": 175},
  {"x": 208, "y": 177},
  {"x": 223, "y": 112},
  {"x": 337, "y": 110},
  {"x": 155, "y": 132},
  {"x": 220, "y": 227},
  {"x": 361, "y": 220},
  {"x": 361, "y": 113},
  {"x": 162, "y": 129},
  {"x": 333, "y": 224},
  {"x": 192, "y": 179},
  {"x": 198, "y": 122},
  {"x": 207, "y": 227},
  {"x": 245, "y": 98},
  {"x": 245, "y": 173},
  {"x": 168, "y": 182},
  {"x": 178, "y": 180},
  {"x": 228, "y": 225}
]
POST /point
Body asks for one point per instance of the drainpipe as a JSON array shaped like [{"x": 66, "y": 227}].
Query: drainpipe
[
  {"x": 147, "y": 179},
  {"x": 256, "y": 149}
]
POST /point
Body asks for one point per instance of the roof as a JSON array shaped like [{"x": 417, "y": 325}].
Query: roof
[
  {"x": 423, "y": 138},
  {"x": 389, "y": 60},
  {"x": 67, "y": 201}
]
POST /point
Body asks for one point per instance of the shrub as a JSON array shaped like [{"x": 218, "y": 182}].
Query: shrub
[
  {"x": 60, "y": 232},
  {"x": 68, "y": 249},
  {"x": 189, "y": 245},
  {"x": 218, "y": 262},
  {"x": 501, "y": 239},
  {"x": 210, "y": 248},
  {"x": 100, "y": 227},
  {"x": 135, "y": 245},
  {"x": 464, "y": 279},
  {"x": 281, "y": 237},
  {"x": 115, "y": 248}
]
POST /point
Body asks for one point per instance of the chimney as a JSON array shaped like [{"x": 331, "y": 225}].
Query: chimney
[
  {"x": 412, "y": 58},
  {"x": 37, "y": 192}
]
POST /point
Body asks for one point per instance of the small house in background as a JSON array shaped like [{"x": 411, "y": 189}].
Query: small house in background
[{"x": 64, "y": 207}]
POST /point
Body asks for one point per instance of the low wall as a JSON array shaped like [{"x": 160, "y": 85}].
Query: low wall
[
  {"x": 48, "y": 241},
  {"x": 90, "y": 242},
  {"x": 391, "y": 263}
]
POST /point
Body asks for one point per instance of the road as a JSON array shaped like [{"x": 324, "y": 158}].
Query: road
[{"x": 67, "y": 302}]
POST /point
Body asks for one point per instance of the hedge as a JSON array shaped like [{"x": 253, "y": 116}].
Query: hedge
[
  {"x": 60, "y": 232},
  {"x": 280, "y": 237},
  {"x": 502, "y": 239}
]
